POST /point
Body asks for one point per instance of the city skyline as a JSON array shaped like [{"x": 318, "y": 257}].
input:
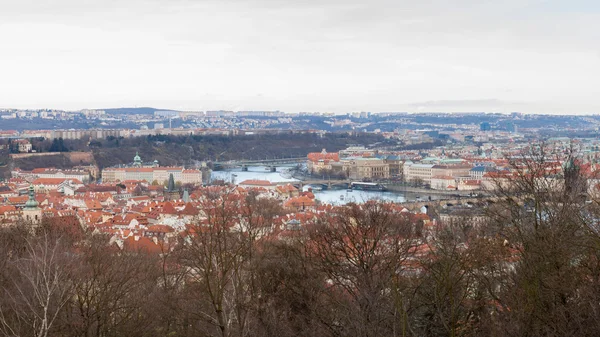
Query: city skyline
[{"x": 328, "y": 56}]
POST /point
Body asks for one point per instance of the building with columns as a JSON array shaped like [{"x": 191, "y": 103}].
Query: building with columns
[{"x": 151, "y": 172}]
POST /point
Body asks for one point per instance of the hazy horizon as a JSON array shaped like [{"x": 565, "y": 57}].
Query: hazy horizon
[
  {"x": 530, "y": 56},
  {"x": 288, "y": 112}
]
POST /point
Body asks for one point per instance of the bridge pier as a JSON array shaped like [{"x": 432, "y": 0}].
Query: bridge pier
[{"x": 244, "y": 168}]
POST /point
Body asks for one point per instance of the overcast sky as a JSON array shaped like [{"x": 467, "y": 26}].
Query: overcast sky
[{"x": 538, "y": 56}]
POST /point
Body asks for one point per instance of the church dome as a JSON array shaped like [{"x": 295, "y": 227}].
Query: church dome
[{"x": 31, "y": 203}]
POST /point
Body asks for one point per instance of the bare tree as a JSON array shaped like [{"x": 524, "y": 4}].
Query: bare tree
[
  {"x": 112, "y": 291},
  {"x": 362, "y": 249},
  {"x": 448, "y": 300},
  {"x": 38, "y": 290},
  {"x": 215, "y": 253},
  {"x": 543, "y": 218},
  {"x": 292, "y": 290}
]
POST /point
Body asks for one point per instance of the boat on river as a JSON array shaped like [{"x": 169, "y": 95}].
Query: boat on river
[
  {"x": 367, "y": 186},
  {"x": 315, "y": 187}
]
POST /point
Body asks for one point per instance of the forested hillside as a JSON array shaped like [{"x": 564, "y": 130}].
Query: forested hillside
[
  {"x": 170, "y": 150},
  {"x": 187, "y": 150}
]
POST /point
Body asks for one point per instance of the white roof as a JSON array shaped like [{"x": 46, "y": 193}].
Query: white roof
[{"x": 423, "y": 165}]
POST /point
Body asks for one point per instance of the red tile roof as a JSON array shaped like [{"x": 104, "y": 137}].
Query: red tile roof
[
  {"x": 256, "y": 182},
  {"x": 168, "y": 208},
  {"x": 289, "y": 188},
  {"x": 7, "y": 208},
  {"x": 160, "y": 229},
  {"x": 189, "y": 210},
  {"x": 318, "y": 156},
  {"x": 18, "y": 200},
  {"x": 142, "y": 244},
  {"x": 299, "y": 202},
  {"x": 54, "y": 181}
]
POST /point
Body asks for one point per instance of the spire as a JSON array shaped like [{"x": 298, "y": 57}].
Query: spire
[
  {"x": 186, "y": 196},
  {"x": 171, "y": 186}
]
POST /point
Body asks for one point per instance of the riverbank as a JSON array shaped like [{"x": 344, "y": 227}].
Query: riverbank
[
  {"x": 391, "y": 187},
  {"x": 421, "y": 190},
  {"x": 339, "y": 195}
]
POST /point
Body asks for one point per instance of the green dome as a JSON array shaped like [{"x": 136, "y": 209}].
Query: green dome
[
  {"x": 31, "y": 203},
  {"x": 137, "y": 157}
]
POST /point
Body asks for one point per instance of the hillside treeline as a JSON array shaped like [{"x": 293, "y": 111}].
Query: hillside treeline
[
  {"x": 186, "y": 150},
  {"x": 171, "y": 150},
  {"x": 529, "y": 267}
]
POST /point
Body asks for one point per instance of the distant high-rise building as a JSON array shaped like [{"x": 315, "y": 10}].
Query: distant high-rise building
[{"x": 511, "y": 127}]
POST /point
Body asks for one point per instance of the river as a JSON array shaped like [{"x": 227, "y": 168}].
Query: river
[
  {"x": 336, "y": 197},
  {"x": 236, "y": 175}
]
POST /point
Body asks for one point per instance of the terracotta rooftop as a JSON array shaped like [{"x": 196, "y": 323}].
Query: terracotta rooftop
[
  {"x": 54, "y": 181},
  {"x": 256, "y": 182},
  {"x": 142, "y": 244},
  {"x": 189, "y": 210}
]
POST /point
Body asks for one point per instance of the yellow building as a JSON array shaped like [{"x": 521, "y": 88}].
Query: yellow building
[
  {"x": 151, "y": 172},
  {"x": 366, "y": 168}
]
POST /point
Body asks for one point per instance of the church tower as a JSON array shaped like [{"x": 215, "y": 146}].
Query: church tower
[
  {"x": 137, "y": 161},
  {"x": 31, "y": 212},
  {"x": 575, "y": 183},
  {"x": 172, "y": 193}
]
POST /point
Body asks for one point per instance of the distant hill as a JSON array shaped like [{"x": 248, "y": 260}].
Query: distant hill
[{"x": 134, "y": 111}]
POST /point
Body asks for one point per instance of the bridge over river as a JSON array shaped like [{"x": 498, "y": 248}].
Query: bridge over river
[{"x": 271, "y": 163}]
